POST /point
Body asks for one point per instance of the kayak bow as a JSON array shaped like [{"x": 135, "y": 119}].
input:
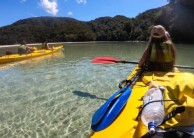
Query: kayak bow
[{"x": 109, "y": 111}]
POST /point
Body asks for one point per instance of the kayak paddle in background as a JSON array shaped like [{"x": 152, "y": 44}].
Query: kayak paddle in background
[
  {"x": 110, "y": 110},
  {"x": 111, "y": 60}
]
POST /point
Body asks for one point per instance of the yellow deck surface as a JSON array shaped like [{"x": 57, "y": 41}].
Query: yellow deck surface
[{"x": 126, "y": 125}]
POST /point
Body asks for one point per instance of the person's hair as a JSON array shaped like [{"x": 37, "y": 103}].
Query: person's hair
[{"x": 165, "y": 37}]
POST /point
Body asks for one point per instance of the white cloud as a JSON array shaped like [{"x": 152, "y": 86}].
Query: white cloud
[
  {"x": 70, "y": 13},
  {"x": 49, "y": 6},
  {"x": 81, "y": 1}
]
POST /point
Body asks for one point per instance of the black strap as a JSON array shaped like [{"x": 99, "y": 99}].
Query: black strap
[
  {"x": 173, "y": 113},
  {"x": 124, "y": 83},
  {"x": 132, "y": 81},
  {"x": 149, "y": 103}
]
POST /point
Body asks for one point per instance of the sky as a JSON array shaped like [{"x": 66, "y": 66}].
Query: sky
[{"x": 83, "y": 10}]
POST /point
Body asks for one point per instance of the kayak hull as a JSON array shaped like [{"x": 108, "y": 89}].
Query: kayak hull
[{"x": 36, "y": 53}]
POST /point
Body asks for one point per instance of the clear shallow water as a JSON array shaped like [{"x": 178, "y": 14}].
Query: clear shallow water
[{"x": 55, "y": 96}]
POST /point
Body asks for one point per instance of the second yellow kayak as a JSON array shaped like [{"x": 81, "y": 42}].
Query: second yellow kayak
[{"x": 36, "y": 53}]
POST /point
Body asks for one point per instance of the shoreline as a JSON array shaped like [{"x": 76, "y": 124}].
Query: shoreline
[{"x": 59, "y": 43}]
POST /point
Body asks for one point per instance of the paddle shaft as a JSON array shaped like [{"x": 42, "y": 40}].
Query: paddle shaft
[
  {"x": 178, "y": 66},
  {"x": 184, "y": 67},
  {"x": 136, "y": 77},
  {"x": 111, "y": 60},
  {"x": 127, "y": 62}
]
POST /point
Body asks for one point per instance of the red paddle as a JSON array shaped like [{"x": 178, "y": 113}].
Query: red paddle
[{"x": 111, "y": 60}]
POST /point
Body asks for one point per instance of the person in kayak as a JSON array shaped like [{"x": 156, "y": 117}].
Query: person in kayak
[
  {"x": 24, "y": 49},
  {"x": 46, "y": 46},
  {"x": 160, "y": 53}
]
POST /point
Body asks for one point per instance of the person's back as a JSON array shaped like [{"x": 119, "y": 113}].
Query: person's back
[
  {"x": 160, "y": 53},
  {"x": 160, "y": 57},
  {"x": 46, "y": 46},
  {"x": 22, "y": 48}
]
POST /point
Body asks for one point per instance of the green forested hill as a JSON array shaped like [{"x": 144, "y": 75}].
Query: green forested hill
[
  {"x": 54, "y": 29},
  {"x": 177, "y": 17},
  {"x": 117, "y": 28}
]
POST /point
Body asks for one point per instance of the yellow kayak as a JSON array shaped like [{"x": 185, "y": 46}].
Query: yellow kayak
[
  {"x": 36, "y": 53},
  {"x": 127, "y": 124}
]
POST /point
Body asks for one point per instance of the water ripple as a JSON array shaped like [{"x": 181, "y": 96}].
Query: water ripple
[{"x": 54, "y": 97}]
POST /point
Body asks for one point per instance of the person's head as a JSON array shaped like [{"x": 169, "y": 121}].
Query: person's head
[
  {"x": 23, "y": 42},
  {"x": 159, "y": 32},
  {"x": 158, "y": 36}
]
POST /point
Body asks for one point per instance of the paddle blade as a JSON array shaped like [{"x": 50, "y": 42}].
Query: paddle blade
[
  {"x": 99, "y": 114},
  {"x": 110, "y": 60},
  {"x": 114, "y": 110},
  {"x": 105, "y": 60}
]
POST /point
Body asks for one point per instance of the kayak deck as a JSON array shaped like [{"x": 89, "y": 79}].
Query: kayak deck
[
  {"x": 36, "y": 53},
  {"x": 126, "y": 125}
]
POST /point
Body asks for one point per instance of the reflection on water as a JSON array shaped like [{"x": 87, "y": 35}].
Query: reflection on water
[{"x": 56, "y": 96}]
